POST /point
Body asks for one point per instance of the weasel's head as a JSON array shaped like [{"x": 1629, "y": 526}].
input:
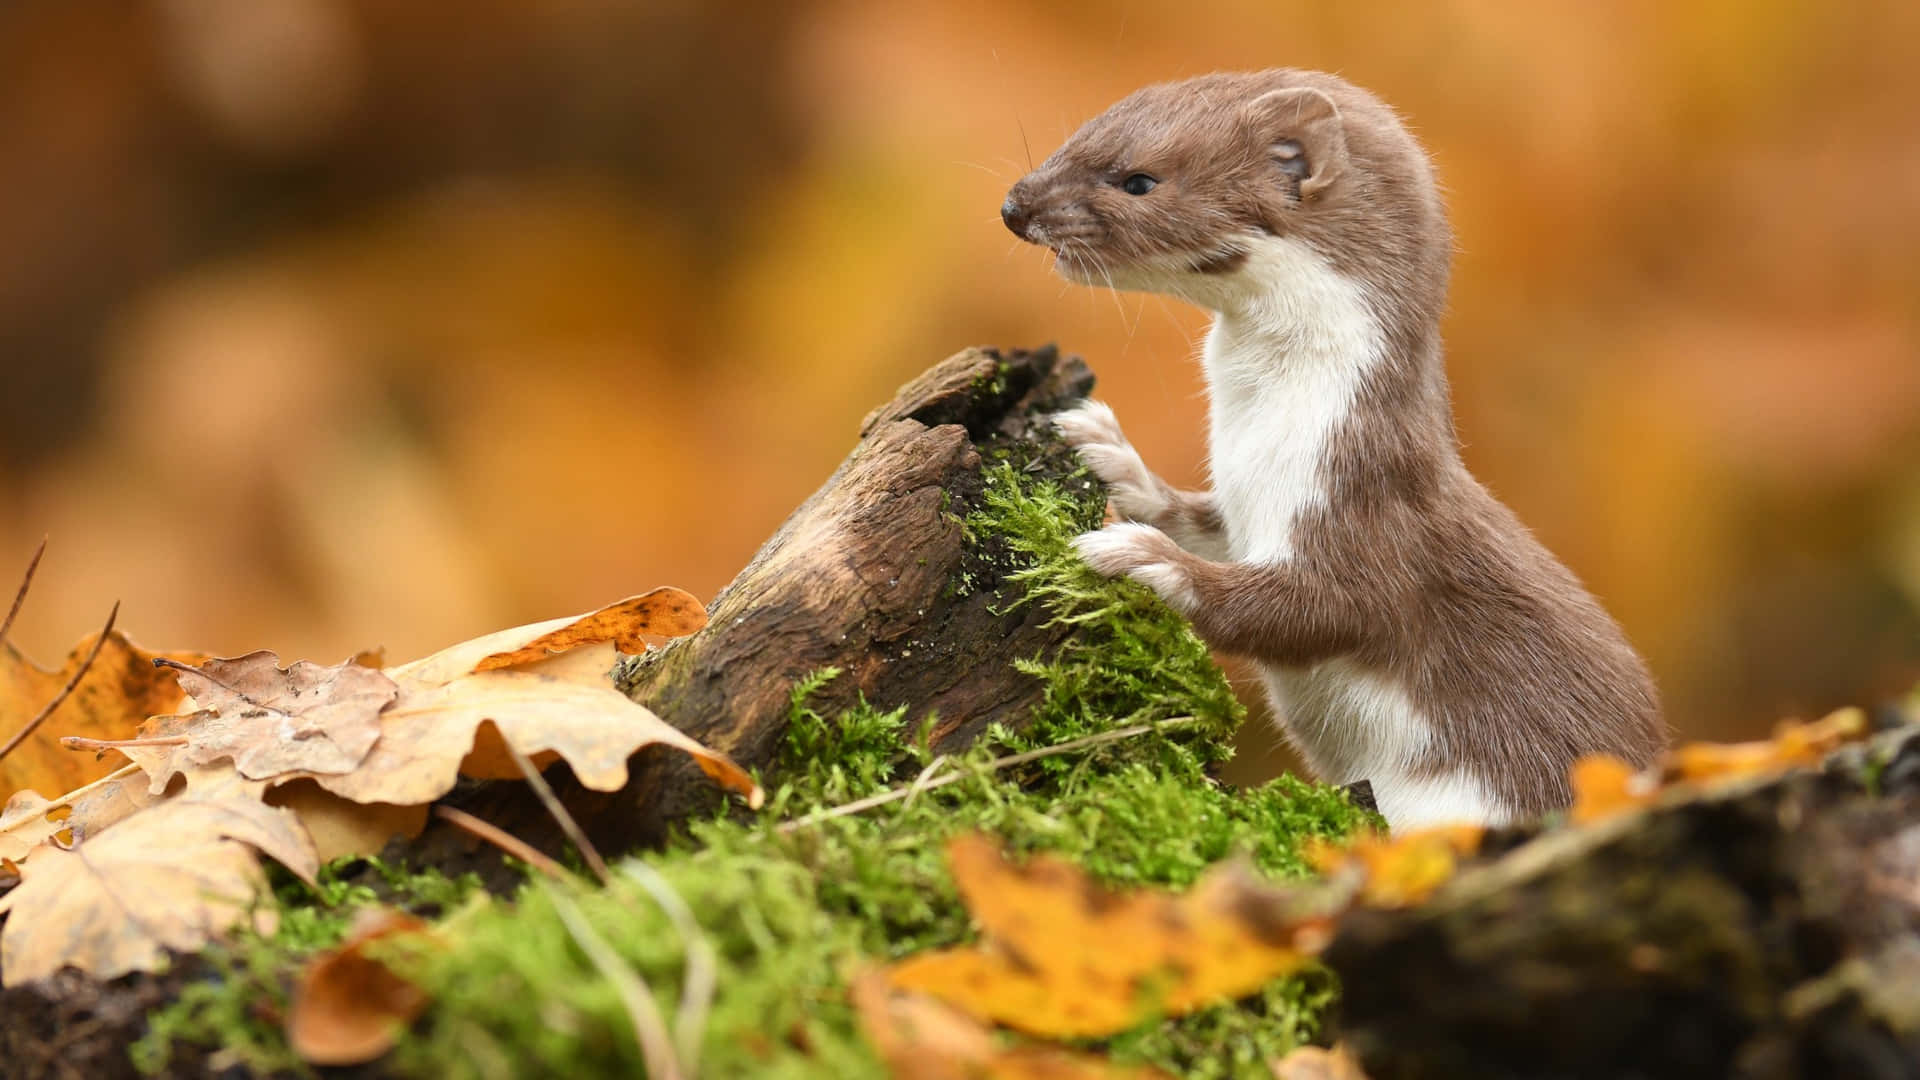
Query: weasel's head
[{"x": 1192, "y": 188}]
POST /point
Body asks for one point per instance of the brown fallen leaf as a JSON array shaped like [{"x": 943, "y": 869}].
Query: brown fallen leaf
[
  {"x": 272, "y": 721},
  {"x": 632, "y": 625},
  {"x": 343, "y": 827},
  {"x": 30, "y": 820},
  {"x": 427, "y": 737},
  {"x": 170, "y": 877},
  {"x": 1063, "y": 957},
  {"x": 924, "y": 1038},
  {"x": 119, "y": 690},
  {"x": 348, "y": 1008}
]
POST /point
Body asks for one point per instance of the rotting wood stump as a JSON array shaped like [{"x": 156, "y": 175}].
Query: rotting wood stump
[{"x": 1768, "y": 931}]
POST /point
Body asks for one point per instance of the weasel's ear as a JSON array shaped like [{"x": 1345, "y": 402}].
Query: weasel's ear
[{"x": 1308, "y": 139}]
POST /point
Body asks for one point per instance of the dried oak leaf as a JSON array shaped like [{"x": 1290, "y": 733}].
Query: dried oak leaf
[
  {"x": 923, "y": 1038},
  {"x": 1063, "y": 957},
  {"x": 343, "y": 827},
  {"x": 118, "y": 691},
  {"x": 171, "y": 877},
  {"x": 272, "y": 721},
  {"x": 30, "y": 820},
  {"x": 431, "y": 734},
  {"x": 347, "y": 1007}
]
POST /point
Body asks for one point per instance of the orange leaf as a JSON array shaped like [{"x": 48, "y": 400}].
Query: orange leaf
[
  {"x": 121, "y": 689},
  {"x": 1064, "y": 957},
  {"x": 1603, "y": 786},
  {"x": 1793, "y": 745},
  {"x": 1403, "y": 870},
  {"x": 631, "y": 624},
  {"x": 923, "y": 1038}
]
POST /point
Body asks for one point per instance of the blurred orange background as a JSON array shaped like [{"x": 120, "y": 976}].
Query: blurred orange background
[{"x": 327, "y": 324}]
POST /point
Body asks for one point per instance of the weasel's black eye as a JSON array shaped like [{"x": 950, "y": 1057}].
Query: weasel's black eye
[{"x": 1138, "y": 184}]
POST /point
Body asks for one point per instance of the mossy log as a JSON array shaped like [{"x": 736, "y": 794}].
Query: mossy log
[
  {"x": 877, "y": 575},
  {"x": 1768, "y": 931}
]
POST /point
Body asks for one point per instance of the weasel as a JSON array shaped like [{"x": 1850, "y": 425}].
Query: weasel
[{"x": 1410, "y": 631}]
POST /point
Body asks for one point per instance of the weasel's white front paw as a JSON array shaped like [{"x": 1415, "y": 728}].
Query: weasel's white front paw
[
  {"x": 1094, "y": 433},
  {"x": 1144, "y": 554}
]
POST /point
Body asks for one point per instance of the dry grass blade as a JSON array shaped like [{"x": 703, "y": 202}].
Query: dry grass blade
[
  {"x": 26, "y": 582},
  {"x": 541, "y": 789},
  {"x": 502, "y": 839},
  {"x": 78, "y": 674},
  {"x": 648, "y": 1027}
]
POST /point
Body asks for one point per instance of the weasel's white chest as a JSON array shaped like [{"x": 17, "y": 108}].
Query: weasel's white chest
[{"x": 1274, "y": 415}]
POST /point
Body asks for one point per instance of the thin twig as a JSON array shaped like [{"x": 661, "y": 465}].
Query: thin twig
[
  {"x": 925, "y": 779},
  {"x": 915, "y": 788},
  {"x": 78, "y": 673},
  {"x": 26, "y": 582},
  {"x": 559, "y": 813},
  {"x": 82, "y": 742},
  {"x": 502, "y": 839},
  {"x": 642, "y": 1010}
]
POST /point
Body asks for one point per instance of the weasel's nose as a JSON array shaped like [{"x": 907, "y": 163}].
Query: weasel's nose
[{"x": 1015, "y": 215}]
